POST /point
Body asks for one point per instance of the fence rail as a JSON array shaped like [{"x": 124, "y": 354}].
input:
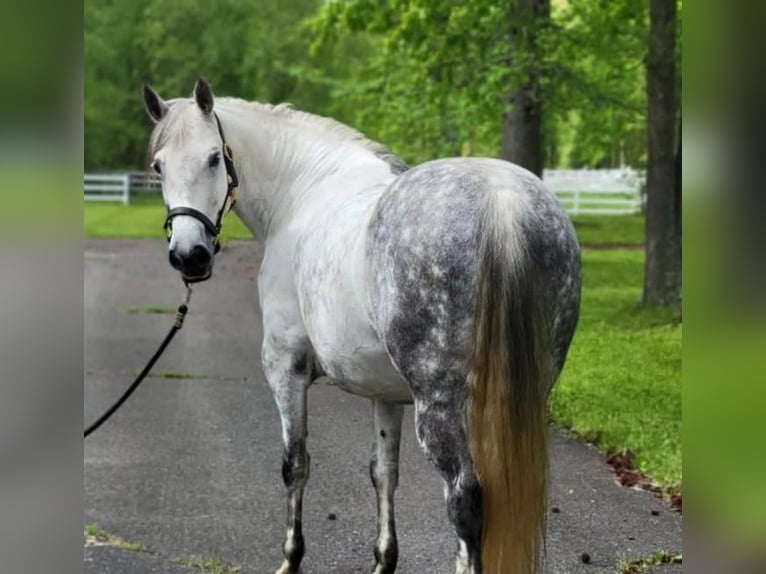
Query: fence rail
[
  {"x": 580, "y": 191},
  {"x": 142, "y": 181},
  {"x": 597, "y": 191},
  {"x": 107, "y": 187}
]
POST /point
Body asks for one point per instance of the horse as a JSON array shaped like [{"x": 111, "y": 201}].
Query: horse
[{"x": 453, "y": 285}]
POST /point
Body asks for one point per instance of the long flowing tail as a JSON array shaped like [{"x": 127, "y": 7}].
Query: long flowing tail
[{"x": 506, "y": 407}]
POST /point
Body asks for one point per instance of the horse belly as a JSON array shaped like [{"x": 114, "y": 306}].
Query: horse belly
[{"x": 364, "y": 369}]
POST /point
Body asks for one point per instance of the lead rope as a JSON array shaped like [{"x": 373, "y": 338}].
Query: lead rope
[{"x": 179, "y": 321}]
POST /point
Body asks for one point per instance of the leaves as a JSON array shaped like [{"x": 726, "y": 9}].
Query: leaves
[
  {"x": 246, "y": 48},
  {"x": 429, "y": 78},
  {"x": 456, "y": 62}
]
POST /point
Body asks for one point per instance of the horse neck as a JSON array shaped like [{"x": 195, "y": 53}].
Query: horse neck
[{"x": 285, "y": 162}]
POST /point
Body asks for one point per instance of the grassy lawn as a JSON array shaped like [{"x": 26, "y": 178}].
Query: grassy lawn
[
  {"x": 143, "y": 218},
  {"x": 610, "y": 229},
  {"x": 621, "y": 386},
  {"x": 145, "y": 215},
  {"x": 622, "y": 383}
]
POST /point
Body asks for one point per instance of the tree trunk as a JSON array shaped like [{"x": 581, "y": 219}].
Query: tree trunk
[
  {"x": 522, "y": 131},
  {"x": 662, "y": 272},
  {"x": 523, "y": 122}
]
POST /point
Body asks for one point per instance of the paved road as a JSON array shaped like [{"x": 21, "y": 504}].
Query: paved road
[{"x": 191, "y": 466}]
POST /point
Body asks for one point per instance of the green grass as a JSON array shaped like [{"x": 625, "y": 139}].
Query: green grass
[
  {"x": 175, "y": 375},
  {"x": 151, "y": 309},
  {"x": 143, "y": 219},
  {"x": 94, "y": 533},
  {"x": 609, "y": 228},
  {"x": 642, "y": 565},
  {"x": 91, "y": 529},
  {"x": 146, "y": 214},
  {"x": 208, "y": 565},
  {"x": 622, "y": 381}
]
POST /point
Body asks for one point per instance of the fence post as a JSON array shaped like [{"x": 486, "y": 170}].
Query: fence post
[
  {"x": 576, "y": 209},
  {"x": 126, "y": 189}
]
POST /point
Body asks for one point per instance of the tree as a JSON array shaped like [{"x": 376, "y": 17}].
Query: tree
[
  {"x": 429, "y": 78},
  {"x": 442, "y": 74},
  {"x": 523, "y": 121},
  {"x": 446, "y": 77},
  {"x": 254, "y": 49},
  {"x": 595, "y": 96},
  {"x": 662, "y": 272},
  {"x": 114, "y": 121}
]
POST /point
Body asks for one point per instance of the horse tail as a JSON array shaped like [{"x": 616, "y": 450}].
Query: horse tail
[{"x": 507, "y": 393}]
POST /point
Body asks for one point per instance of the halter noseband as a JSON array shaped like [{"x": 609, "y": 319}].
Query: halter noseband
[{"x": 214, "y": 229}]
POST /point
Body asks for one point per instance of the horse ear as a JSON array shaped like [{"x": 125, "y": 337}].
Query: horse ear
[
  {"x": 203, "y": 95},
  {"x": 154, "y": 104}
]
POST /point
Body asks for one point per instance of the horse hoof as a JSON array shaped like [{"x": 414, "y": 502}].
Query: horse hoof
[{"x": 286, "y": 569}]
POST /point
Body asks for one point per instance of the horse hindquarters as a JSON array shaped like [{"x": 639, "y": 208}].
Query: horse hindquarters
[
  {"x": 475, "y": 293},
  {"x": 485, "y": 429},
  {"x": 421, "y": 256}
]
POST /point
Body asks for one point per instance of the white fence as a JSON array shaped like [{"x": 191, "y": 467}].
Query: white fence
[
  {"x": 581, "y": 191},
  {"x": 107, "y": 187},
  {"x": 597, "y": 191},
  {"x": 141, "y": 181},
  {"x": 119, "y": 186}
]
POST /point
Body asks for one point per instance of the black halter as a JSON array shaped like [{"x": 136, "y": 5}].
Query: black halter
[{"x": 214, "y": 229}]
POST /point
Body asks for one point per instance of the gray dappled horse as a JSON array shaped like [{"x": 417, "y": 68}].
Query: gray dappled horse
[{"x": 454, "y": 285}]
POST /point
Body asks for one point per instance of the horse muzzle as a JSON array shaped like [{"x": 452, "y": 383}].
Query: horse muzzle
[{"x": 195, "y": 264}]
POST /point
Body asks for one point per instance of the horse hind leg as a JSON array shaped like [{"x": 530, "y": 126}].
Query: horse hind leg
[
  {"x": 384, "y": 472},
  {"x": 441, "y": 434}
]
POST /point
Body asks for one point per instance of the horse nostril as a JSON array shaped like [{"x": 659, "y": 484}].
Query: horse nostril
[
  {"x": 175, "y": 260},
  {"x": 199, "y": 256}
]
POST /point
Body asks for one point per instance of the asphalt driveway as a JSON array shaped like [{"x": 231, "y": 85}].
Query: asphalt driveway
[{"x": 190, "y": 466}]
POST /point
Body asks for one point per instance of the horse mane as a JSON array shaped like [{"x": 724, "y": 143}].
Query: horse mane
[
  {"x": 398, "y": 165},
  {"x": 172, "y": 126}
]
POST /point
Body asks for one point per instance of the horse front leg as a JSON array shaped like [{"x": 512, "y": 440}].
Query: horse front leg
[
  {"x": 384, "y": 472},
  {"x": 288, "y": 369}
]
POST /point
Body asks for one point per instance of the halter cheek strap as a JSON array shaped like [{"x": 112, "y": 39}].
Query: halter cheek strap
[{"x": 214, "y": 229}]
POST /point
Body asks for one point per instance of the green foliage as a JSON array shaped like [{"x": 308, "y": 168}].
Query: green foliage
[
  {"x": 436, "y": 79},
  {"x": 439, "y": 81},
  {"x": 597, "y": 99},
  {"x": 252, "y": 49},
  {"x": 115, "y": 123},
  {"x": 428, "y": 78}
]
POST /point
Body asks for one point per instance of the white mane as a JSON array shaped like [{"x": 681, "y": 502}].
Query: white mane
[
  {"x": 328, "y": 125},
  {"x": 171, "y": 127}
]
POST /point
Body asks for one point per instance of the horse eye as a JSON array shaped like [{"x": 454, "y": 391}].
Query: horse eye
[
  {"x": 156, "y": 167},
  {"x": 215, "y": 159}
]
